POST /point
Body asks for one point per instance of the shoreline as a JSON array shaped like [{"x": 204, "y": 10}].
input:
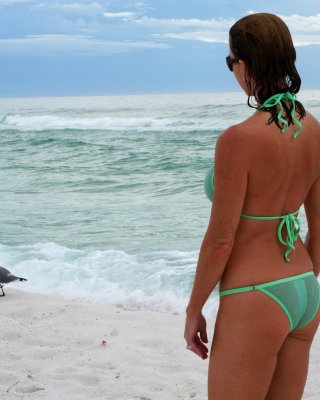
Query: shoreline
[
  {"x": 231, "y": 91},
  {"x": 52, "y": 347}
]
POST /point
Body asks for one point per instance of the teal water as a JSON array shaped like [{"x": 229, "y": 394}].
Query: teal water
[
  {"x": 108, "y": 173},
  {"x": 103, "y": 196}
]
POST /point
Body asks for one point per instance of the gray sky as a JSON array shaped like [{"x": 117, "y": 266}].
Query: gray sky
[{"x": 51, "y": 48}]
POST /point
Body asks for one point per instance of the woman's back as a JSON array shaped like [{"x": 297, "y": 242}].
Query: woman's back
[
  {"x": 283, "y": 168},
  {"x": 280, "y": 172}
]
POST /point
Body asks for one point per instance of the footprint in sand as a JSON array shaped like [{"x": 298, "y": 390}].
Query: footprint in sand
[
  {"x": 29, "y": 389},
  {"x": 142, "y": 398}
]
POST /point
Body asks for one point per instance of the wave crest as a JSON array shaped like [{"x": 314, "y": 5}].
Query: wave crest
[{"x": 156, "y": 281}]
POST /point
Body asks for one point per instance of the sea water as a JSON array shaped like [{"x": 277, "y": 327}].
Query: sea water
[{"x": 102, "y": 197}]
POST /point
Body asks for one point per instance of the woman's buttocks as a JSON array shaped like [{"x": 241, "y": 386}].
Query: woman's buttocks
[{"x": 257, "y": 256}]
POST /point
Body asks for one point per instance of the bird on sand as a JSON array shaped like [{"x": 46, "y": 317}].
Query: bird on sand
[{"x": 7, "y": 277}]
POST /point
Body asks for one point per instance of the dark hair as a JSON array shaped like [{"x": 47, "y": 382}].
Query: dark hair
[{"x": 263, "y": 41}]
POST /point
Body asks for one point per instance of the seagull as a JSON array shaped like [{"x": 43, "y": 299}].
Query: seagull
[{"x": 7, "y": 277}]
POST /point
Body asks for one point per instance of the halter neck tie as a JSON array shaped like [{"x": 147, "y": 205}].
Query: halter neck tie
[{"x": 276, "y": 99}]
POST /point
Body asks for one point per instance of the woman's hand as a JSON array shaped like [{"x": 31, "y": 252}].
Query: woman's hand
[{"x": 194, "y": 324}]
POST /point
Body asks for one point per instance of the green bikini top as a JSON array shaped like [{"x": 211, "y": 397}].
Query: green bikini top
[{"x": 290, "y": 221}]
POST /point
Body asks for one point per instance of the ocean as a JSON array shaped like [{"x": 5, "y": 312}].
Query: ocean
[{"x": 102, "y": 197}]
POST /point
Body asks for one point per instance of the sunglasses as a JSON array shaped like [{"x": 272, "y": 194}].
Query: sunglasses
[{"x": 230, "y": 61}]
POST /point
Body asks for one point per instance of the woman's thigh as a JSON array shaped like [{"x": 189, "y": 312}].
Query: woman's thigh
[{"x": 249, "y": 331}]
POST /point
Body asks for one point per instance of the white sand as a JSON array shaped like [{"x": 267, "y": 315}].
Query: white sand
[{"x": 51, "y": 348}]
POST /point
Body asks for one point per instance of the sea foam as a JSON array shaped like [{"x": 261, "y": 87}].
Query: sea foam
[
  {"x": 156, "y": 281},
  {"x": 45, "y": 122}
]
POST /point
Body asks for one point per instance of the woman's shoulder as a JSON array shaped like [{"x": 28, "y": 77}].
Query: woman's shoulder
[
  {"x": 310, "y": 118},
  {"x": 231, "y": 138},
  {"x": 234, "y": 143},
  {"x": 242, "y": 132},
  {"x": 255, "y": 128}
]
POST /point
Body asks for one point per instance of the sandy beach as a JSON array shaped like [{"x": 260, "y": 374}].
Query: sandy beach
[{"x": 52, "y": 348}]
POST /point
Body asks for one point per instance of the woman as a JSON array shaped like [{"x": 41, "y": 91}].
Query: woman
[{"x": 265, "y": 169}]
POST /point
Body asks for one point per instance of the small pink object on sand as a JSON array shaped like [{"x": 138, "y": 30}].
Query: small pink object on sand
[{"x": 104, "y": 342}]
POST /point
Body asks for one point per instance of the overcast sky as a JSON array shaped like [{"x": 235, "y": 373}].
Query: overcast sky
[{"x": 50, "y": 48}]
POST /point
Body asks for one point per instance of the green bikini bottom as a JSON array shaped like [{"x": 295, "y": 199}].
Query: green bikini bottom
[{"x": 298, "y": 296}]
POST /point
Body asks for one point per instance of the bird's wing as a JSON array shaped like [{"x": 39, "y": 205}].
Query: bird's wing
[{"x": 6, "y": 276}]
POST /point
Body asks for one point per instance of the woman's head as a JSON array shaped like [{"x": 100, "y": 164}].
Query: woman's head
[{"x": 263, "y": 42}]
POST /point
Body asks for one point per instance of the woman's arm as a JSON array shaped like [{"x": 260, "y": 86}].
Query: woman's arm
[
  {"x": 230, "y": 177},
  {"x": 312, "y": 208}
]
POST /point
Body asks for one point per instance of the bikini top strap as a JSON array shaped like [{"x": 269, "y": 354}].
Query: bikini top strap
[
  {"x": 276, "y": 100},
  {"x": 292, "y": 224}
]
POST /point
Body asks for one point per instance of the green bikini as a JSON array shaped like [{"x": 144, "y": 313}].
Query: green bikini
[
  {"x": 298, "y": 296},
  {"x": 290, "y": 221}
]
